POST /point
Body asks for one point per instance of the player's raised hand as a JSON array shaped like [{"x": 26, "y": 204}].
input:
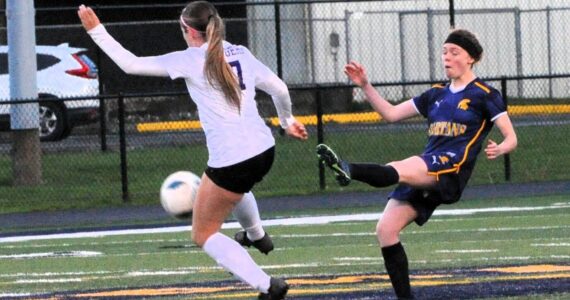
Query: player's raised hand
[
  {"x": 88, "y": 18},
  {"x": 297, "y": 130},
  {"x": 356, "y": 73},
  {"x": 492, "y": 150}
]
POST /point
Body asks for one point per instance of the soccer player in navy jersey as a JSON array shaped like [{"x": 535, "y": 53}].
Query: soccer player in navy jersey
[{"x": 460, "y": 115}]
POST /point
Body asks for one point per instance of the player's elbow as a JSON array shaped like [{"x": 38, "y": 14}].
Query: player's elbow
[
  {"x": 391, "y": 117},
  {"x": 130, "y": 65},
  {"x": 515, "y": 142},
  {"x": 281, "y": 90},
  {"x": 510, "y": 142},
  {"x": 129, "y": 69}
]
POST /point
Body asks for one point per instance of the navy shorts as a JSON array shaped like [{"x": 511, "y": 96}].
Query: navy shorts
[
  {"x": 449, "y": 187},
  {"x": 241, "y": 177}
]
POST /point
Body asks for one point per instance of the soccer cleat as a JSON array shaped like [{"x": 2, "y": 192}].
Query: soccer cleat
[
  {"x": 277, "y": 290},
  {"x": 265, "y": 245},
  {"x": 340, "y": 167}
]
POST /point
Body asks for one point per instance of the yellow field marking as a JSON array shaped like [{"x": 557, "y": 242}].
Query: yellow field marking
[
  {"x": 354, "y": 279},
  {"x": 338, "y": 280},
  {"x": 529, "y": 269},
  {"x": 307, "y": 120},
  {"x": 385, "y": 285},
  {"x": 367, "y": 117},
  {"x": 530, "y": 277},
  {"x": 300, "y": 292},
  {"x": 168, "y": 126},
  {"x": 357, "y": 283},
  {"x": 336, "y": 290},
  {"x": 440, "y": 282},
  {"x": 157, "y": 292},
  {"x": 539, "y": 109}
]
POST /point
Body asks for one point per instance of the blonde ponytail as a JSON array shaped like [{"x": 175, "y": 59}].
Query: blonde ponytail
[
  {"x": 203, "y": 17},
  {"x": 217, "y": 70}
]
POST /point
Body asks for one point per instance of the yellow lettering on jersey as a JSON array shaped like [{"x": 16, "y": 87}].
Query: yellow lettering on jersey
[{"x": 446, "y": 129}]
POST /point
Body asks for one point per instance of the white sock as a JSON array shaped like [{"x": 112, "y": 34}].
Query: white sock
[
  {"x": 233, "y": 258},
  {"x": 247, "y": 214}
]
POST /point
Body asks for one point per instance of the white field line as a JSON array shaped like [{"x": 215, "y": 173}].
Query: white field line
[
  {"x": 302, "y": 236},
  {"x": 53, "y": 280},
  {"x": 551, "y": 245},
  {"x": 356, "y": 258},
  {"x": 485, "y": 229},
  {"x": 52, "y": 254},
  {"x": 275, "y": 222},
  {"x": 89, "y": 244},
  {"x": 468, "y": 251},
  {"x": 211, "y": 269},
  {"x": 502, "y": 217},
  {"x": 185, "y": 242},
  {"x": 155, "y": 253},
  {"x": 489, "y": 229},
  {"x": 15, "y": 295},
  {"x": 51, "y": 274}
]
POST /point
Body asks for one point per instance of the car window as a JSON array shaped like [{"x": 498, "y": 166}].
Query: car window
[{"x": 43, "y": 61}]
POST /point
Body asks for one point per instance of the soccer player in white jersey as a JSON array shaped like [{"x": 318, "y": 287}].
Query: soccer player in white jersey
[{"x": 221, "y": 79}]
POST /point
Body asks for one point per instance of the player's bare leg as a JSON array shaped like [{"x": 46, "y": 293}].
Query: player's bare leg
[
  {"x": 396, "y": 216},
  {"x": 212, "y": 207},
  {"x": 413, "y": 171}
]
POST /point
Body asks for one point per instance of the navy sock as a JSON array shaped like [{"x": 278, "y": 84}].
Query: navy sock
[
  {"x": 396, "y": 263},
  {"x": 374, "y": 174}
]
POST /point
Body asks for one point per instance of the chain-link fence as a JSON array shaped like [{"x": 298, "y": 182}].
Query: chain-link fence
[{"x": 122, "y": 135}]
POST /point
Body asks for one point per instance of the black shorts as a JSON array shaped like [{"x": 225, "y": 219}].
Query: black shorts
[
  {"x": 241, "y": 177},
  {"x": 448, "y": 190}
]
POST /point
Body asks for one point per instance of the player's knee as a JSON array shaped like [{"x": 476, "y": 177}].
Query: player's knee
[{"x": 386, "y": 233}]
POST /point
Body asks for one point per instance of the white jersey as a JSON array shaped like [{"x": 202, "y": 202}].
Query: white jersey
[{"x": 232, "y": 135}]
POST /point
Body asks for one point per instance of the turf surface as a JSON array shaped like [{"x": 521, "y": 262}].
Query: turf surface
[{"x": 461, "y": 253}]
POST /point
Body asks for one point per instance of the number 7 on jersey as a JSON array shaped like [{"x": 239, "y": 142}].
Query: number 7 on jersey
[{"x": 236, "y": 66}]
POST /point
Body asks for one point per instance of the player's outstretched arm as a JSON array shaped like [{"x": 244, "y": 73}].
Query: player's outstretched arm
[
  {"x": 127, "y": 61},
  {"x": 270, "y": 83},
  {"x": 509, "y": 143},
  {"x": 357, "y": 74}
]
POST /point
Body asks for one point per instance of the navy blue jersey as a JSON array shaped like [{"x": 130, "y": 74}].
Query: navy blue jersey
[{"x": 458, "y": 124}]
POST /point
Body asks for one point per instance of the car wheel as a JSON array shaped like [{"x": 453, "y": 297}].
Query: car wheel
[{"x": 52, "y": 121}]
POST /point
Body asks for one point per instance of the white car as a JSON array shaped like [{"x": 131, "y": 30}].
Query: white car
[{"x": 63, "y": 72}]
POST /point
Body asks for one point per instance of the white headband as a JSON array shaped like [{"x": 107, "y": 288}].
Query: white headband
[
  {"x": 183, "y": 23},
  {"x": 188, "y": 26}
]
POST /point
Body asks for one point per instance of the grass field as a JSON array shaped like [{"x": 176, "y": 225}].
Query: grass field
[
  {"x": 92, "y": 179},
  {"x": 462, "y": 253}
]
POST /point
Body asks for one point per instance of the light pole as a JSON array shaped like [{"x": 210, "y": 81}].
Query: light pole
[{"x": 24, "y": 117}]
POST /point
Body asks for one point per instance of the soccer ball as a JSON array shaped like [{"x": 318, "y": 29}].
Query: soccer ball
[{"x": 178, "y": 192}]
